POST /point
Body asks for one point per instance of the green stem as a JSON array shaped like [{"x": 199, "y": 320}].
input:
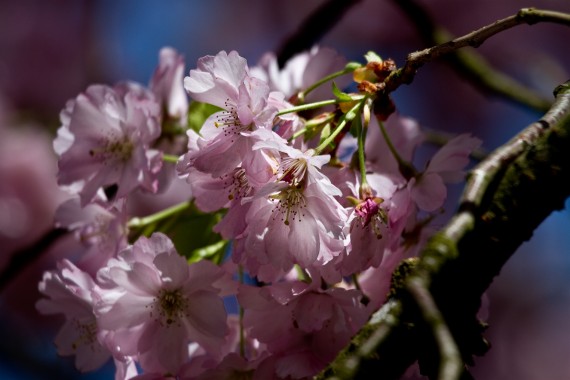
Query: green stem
[
  {"x": 309, "y": 106},
  {"x": 349, "y": 116},
  {"x": 361, "y": 155},
  {"x": 405, "y": 167},
  {"x": 313, "y": 123},
  {"x": 300, "y": 132},
  {"x": 170, "y": 158},
  {"x": 141, "y": 222},
  {"x": 346, "y": 70}
]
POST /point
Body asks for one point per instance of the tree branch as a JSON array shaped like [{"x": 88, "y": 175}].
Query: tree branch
[
  {"x": 517, "y": 187},
  {"x": 451, "y": 365},
  {"x": 313, "y": 28},
  {"x": 21, "y": 259},
  {"x": 469, "y": 63}
]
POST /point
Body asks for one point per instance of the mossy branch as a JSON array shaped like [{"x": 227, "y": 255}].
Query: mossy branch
[{"x": 507, "y": 196}]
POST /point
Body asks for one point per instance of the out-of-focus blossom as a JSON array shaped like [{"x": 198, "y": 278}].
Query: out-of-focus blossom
[
  {"x": 101, "y": 230},
  {"x": 446, "y": 166},
  {"x": 69, "y": 292},
  {"x": 104, "y": 140},
  {"x": 405, "y": 135},
  {"x": 301, "y": 71},
  {"x": 166, "y": 84},
  {"x": 29, "y": 193},
  {"x": 309, "y": 325}
]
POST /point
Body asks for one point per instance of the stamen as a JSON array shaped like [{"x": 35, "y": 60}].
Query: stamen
[
  {"x": 290, "y": 203},
  {"x": 114, "y": 149},
  {"x": 293, "y": 170},
  {"x": 371, "y": 214},
  {"x": 170, "y": 305},
  {"x": 237, "y": 184},
  {"x": 229, "y": 120},
  {"x": 87, "y": 335}
]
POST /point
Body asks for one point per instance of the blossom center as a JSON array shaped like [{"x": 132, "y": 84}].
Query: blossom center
[
  {"x": 293, "y": 170},
  {"x": 290, "y": 204},
  {"x": 238, "y": 185},
  {"x": 229, "y": 120},
  {"x": 370, "y": 214},
  {"x": 87, "y": 334},
  {"x": 171, "y": 305},
  {"x": 116, "y": 150}
]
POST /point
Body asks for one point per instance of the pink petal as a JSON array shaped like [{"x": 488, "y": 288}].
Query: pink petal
[
  {"x": 454, "y": 155},
  {"x": 173, "y": 267},
  {"x": 304, "y": 242},
  {"x": 207, "y": 315},
  {"x": 429, "y": 192}
]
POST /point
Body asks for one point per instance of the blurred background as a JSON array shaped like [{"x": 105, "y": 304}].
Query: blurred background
[{"x": 50, "y": 50}]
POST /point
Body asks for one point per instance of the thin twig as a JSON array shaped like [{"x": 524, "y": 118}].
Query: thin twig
[
  {"x": 470, "y": 62},
  {"x": 24, "y": 257}
]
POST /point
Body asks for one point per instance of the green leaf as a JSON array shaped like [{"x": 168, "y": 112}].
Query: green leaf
[
  {"x": 355, "y": 121},
  {"x": 192, "y": 230},
  {"x": 342, "y": 96},
  {"x": 198, "y": 113},
  {"x": 213, "y": 252}
]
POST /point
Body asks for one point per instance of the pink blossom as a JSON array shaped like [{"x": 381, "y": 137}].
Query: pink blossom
[
  {"x": 70, "y": 293},
  {"x": 104, "y": 140},
  {"x": 29, "y": 193},
  {"x": 166, "y": 84},
  {"x": 212, "y": 193},
  {"x": 405, "y": 135},
  {"x": 370, "y": 226},
  {"x": 308, "y": 325},
  {"x": 375, "y": 281},
  {"x": 157, "y": 304},
  {"x": 295, "y": 220},
  {"x": 102, "y": 231},
  {"x": 428, "y": 189},
  {"x": 301, "y": 71},
  {"x": 228, "y": 190},
  {"x": 217, "y": 78},
  {"x": 224, "y": 142}
]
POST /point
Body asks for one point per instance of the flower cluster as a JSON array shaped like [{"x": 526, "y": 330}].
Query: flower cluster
[{"x": 297, "y": 211}]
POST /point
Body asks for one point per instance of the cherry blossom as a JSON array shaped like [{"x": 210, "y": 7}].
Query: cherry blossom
[
  {"x": 296, "y": 219},
  {"x": 446, "y": 166},
  {"x": 166, "y": 84},
  {"x": 405, "y": 135},
  {"x": 223, "y": 143},
  {"x": 69, "y": 292},
  {"x": 104, "y": 140},
  {"x": 101, "y": 230},
  {"x": 314, "y": 237},
  {"x": 162, "y": 302},
  {"x": 301, "y": 71},
  {"x": 309, "y": 325}
]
